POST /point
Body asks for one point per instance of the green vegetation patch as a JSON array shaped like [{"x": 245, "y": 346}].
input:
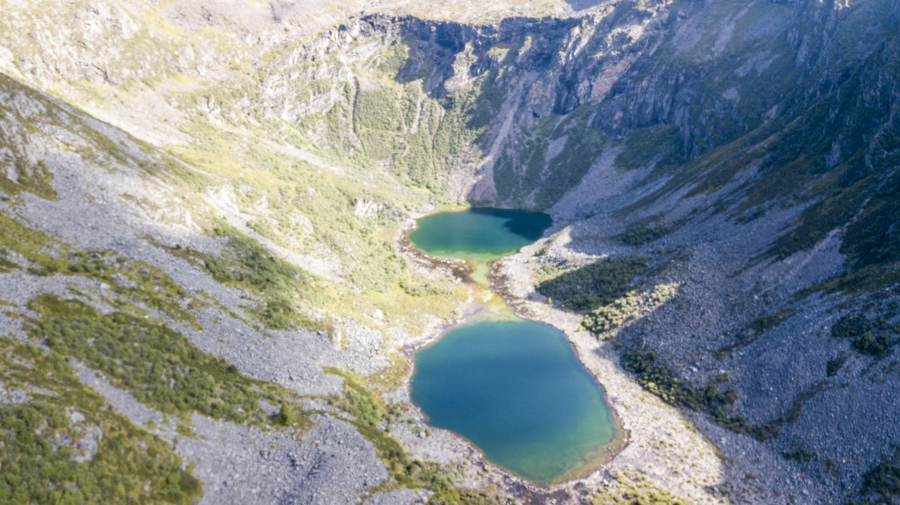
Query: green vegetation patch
[
  {"x": 246, "y": 263},
  {"x": 872, "y": 338},
  {"x": 5, "y": 264},
  {"x": 379, "y": 118},
  {"x": 660, "y": 380},
  {"x": 328, "y": 202},
  {"x": 870, "y": 278},
  {"x": 883, "y": 481},
  {"x": 370, "y": 413},
  {"x": 151, "y": 286},
  {"x": 632, "y": 305},
  {"x": 113, "y": 462},
  {"x": 37, "y": 247},
  {"x": 592, "y": 286},
  {"x": 422, "y": 289},
  {"x": 873, "y": 344},
  {"x": 130, "y": 466},
  {"x": 185, "y": 175},
  {"x": 254, "y": 266},
  {"x": 640, "y": 233},
  {"x": 874, "y": 238},
  {"x": 160, "y": 367},
  {"x": 635, "y": 489},
  {"x": 48, "y": 256},
  {"x": 662, "y": 144},
  {"x": 36, "y": 180},
  {"x": 360, "y": 402}
]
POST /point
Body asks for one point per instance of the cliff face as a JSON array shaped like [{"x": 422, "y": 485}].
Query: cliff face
[
  {"x": 692, "y": 78},
  {"x": 747, "y": 151}
]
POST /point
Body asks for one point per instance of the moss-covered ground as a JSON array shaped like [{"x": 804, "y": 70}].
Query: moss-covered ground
[{"x": 43, "y": 459}]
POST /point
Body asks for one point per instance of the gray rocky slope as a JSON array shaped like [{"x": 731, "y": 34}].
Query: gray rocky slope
[{"x": 747, "y": 150}]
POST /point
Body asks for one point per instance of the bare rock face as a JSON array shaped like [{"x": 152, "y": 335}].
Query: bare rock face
[
  {"x": 222, "y": 13},
  {"x": 366, "y": 208},
  {"x": 86, "y": 447}
]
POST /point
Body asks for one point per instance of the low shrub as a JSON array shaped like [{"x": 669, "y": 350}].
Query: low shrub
[
  {"x": 633, "y": 305},
  {"x": 245, "y": 262},
  {"x": 883, "y": 481},
  {"x": 158, "y": 366},
  {"x": 833, "y": 366},
  {"x": 872, "y": 338},
  {"x": 872, "y": 344},
  {"x": 589, "y": 287},
  {"x": 850, "y": 326},
  {"x": 658, "y": 379},
  {"x": 38, "y": 470},
  {"x": 661, "y": 381},
  {"x": 638, "y": 234},
  {"x": 424, "y": 289},
  {"x": 634, "y": 489},
  {"x": 286, "y": 415},
  {"x": 43, "y": 461}
]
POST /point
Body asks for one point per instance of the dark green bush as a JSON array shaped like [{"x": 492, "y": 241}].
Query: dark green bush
[
  {"x": 250, "y": 265},
  {"x": 638, "y": 234},
  {"x": 850, "y": 326},
  {"x": 37, "y": 440},
  {"x": 872, "y": 344},
  {"x": 884, "y": 481},
  {"x": 799, "y": 455},
  {"x": 253, "y": 264},
  {"x": 286, "y": 415},
  {"x": 589, "y": 287},
  {"x": 869, "y": 337},
  {"x": 834, "y": 365},
  {"x": 424, "y": 289},
  {"x": 662, "y": 382}
]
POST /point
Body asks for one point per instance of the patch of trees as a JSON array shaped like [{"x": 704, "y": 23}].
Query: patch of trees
[
  {"x": 872, "y": 338},
  {"x": 592, "y": 286},
  {"x": 660, "y": 380}
]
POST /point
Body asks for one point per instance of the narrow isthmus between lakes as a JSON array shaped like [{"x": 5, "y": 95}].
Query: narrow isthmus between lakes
[{"x": 513, "y": 387}]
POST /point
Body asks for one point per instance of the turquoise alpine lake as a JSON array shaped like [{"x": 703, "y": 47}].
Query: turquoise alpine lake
[
  {"x": 480, "y": 234},
  {"x": 512, "y": 387}
]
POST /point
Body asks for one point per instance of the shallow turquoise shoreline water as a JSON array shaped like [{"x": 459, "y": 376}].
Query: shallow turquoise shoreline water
[{"x": 511, "y": 386}]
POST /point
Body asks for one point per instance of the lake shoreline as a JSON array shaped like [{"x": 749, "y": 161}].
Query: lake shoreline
[
  {"x": 647, "y": 419},
  {"x": 476, "y": 304}
]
